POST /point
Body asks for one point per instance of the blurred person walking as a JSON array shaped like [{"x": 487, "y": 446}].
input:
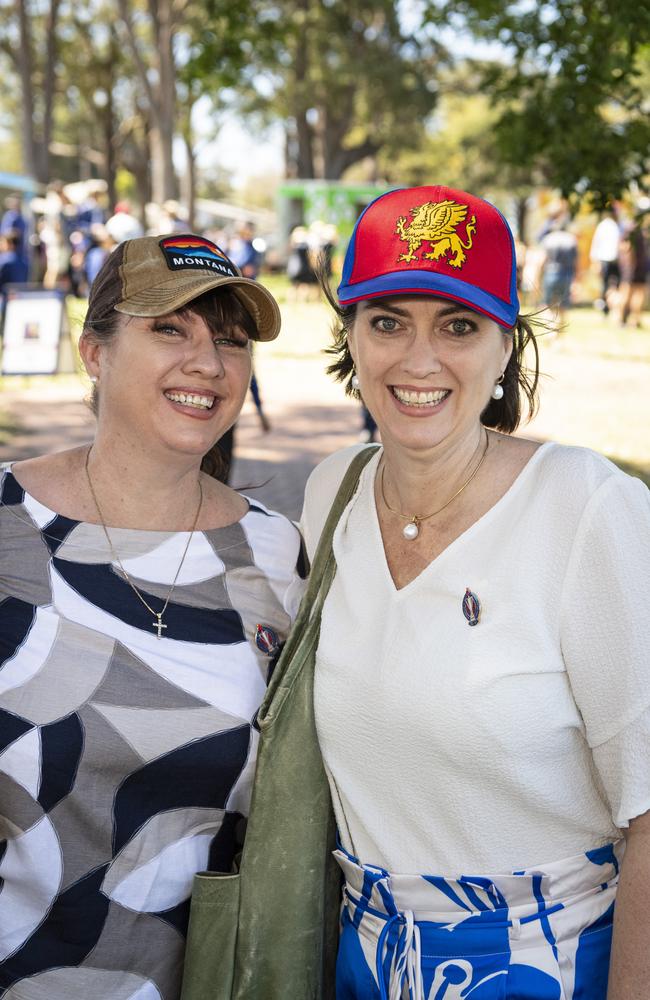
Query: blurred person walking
[
  {"x": 560, "y": 248},
  {"x": 143, "y": 604},
  {"x": 634, "y": 262},
  {"x": 604, "y": 252}
]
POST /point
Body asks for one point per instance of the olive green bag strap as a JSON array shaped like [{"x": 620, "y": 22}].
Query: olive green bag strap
[{"x": 270, "y": 932}]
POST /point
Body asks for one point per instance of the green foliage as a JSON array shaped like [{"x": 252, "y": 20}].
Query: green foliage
[
  {"x": 344, "y": 76},
  {"x": 571, "y": 94}
]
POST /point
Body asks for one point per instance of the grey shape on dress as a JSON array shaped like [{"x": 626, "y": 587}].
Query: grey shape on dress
[
  {"x": 230, "y": 545},
  {"x": 87, "y": 543},
  {"x": 25, "y": 810},
  {"x": 158, "y": 833},
  {"x": 210, "y": 594},
  {"x": 146, "y": 688},
  {"x": 25, "y": 559},
  {"x": 70, "y": 673},
  {"x": 100, "y": 984},
  {"x": 154, "y": 948},
  {"x": 105, "y": 762},
  {"x": 154, "y": 732}
]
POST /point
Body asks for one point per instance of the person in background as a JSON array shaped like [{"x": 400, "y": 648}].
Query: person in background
[
  {"x": 300, "y": 270},
  {"x": 604, "y": 252},
  {"x": 14, "y": 267},
  {"x": 482, "y": 678},
  {"x": 123, "y": 225},
  {"x": 248, "y": 259},
  {"x": 100, "y": 246},
  {"x": 242, "y": 250},
  {"x": 560, "y": 248},
  {"x": 142, "y": 605},
  {"x": 13, "y": 221},
  {"x": 633, "y": 262}
]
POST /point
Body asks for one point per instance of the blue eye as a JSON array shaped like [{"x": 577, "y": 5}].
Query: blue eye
[
  {"x": 461, "y": 327},
  {"x": 385, "y": 324}
]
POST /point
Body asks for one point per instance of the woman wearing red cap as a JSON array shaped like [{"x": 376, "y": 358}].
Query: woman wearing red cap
[
  {"x": 142, "y": 605},
  {"x": 482, "y": 678}
]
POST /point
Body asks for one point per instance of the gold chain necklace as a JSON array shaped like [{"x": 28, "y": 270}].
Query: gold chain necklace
[
  {"x": 412, "y": 529},
  {"x": 158, "y": 624}
]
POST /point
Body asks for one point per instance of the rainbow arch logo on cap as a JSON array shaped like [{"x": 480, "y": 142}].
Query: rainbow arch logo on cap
[{"x": 194, "y": 253}]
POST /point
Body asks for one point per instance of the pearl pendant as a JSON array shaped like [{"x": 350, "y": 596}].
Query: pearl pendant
[{"x": 410, "y": 531}]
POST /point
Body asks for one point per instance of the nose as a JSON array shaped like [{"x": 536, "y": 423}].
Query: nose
[
  {"x": 204, "y": 359},
  {"x": 422, "y": 357}
]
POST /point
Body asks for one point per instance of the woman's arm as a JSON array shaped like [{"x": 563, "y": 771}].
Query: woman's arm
[{"x": 629, "y": 975}]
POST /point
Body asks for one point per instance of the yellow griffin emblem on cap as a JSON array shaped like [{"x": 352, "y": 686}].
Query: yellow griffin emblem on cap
[{"x": 436, "y": 222}]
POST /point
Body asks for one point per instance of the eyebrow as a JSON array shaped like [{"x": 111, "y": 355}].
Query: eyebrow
[{"x": 385, "y": 306}]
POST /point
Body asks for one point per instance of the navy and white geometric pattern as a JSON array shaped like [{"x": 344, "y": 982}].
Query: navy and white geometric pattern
[
  {"x": 126, "y": 760},
  {"x": 540, "y": 934}
]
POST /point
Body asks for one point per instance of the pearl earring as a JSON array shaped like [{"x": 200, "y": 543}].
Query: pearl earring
[
  {"x": 354, "y": 382},
  {"x": 497, "y": 392},
  {"x": 93, "y": 379}
]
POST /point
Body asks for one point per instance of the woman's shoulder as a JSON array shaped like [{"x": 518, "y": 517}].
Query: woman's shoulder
[
  {"x": 321, "y": 490},
  {"x": 583, "y": 470},
  {"x": 326, "y": 478}
]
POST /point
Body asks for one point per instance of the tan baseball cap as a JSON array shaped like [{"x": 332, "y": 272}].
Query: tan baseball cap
[{"x": 161, "y": 274}]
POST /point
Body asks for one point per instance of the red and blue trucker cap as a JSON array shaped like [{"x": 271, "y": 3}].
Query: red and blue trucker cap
[{"x": 433, "y": 240}]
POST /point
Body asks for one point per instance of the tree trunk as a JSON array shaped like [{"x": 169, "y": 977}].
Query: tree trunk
[
  {"x": 24, "y": 58},
  {"x": 304, "y": 151},
  {"x": 190, "y": 189},
  {"x": 161, "y": 98},
  {"x": 50, "y": 82},
  {"x": 164, "y": 112},
  {"x": 522, "y": 216}
]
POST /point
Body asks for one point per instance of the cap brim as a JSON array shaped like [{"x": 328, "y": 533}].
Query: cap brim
[
  {"x": 420, "y": 282},
  {"x": 178, "y": 291}
]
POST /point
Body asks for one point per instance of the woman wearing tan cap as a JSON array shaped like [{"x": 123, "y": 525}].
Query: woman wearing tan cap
[{"x": 142, "y": 604}]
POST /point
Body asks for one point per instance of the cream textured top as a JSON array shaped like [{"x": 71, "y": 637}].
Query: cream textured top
[{"x": 523, "y": 740}]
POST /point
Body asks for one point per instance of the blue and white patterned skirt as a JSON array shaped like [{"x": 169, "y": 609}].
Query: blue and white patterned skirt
[{"x": 539, "y": 934}]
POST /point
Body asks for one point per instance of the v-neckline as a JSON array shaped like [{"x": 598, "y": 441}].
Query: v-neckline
[{"x": 377, "y": 539}]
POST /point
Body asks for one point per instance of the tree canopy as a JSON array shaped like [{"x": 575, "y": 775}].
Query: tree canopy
[
  {"x": 571, "y": 88},
  {"x": 396, "y": 90}
]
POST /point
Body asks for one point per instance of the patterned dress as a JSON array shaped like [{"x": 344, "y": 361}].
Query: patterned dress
[{"x": 125, "y": 760}]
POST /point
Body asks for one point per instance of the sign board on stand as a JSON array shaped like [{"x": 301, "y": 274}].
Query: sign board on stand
[{"x": 35, "y": 332}]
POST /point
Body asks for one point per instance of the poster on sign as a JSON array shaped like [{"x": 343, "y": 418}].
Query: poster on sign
[{"x": 34, "y": 321}]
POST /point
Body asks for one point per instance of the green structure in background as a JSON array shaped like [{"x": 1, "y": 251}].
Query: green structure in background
[{"x": 303, "y": 202}]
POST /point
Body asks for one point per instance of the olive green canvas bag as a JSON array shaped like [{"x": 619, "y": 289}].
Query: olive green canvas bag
[{"x": 270, "y": 932}]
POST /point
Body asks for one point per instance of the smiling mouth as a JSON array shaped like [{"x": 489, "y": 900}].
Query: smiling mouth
[
  {"x": 193, "y": 399},
  {"x": 411, "y": 398}
]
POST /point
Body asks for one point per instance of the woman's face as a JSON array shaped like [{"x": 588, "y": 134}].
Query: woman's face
[
  {"x": 170, "y": 382},
  {"x": 426, "y": 367}
]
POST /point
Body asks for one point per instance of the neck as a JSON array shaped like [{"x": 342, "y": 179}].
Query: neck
[
  {"x": 139, "y": 490},
  {"x": 418, "y": 481}
]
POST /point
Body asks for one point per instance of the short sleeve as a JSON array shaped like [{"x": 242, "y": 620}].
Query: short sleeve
[{"x": 605, "y": 638}]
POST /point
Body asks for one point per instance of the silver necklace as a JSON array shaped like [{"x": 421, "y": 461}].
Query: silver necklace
[
  {"x": 412, "y": 529},
  {"x": 158, "y": 624}
]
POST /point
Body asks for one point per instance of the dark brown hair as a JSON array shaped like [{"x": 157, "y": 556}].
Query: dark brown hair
[
  {"x": 220, "y": 308},
  {"x": 518, "y": 379}
]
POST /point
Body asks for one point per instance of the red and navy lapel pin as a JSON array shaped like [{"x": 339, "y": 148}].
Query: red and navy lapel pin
[
  {"x": 471, "y": 607},
  {"x": 267, "y": 639}
]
